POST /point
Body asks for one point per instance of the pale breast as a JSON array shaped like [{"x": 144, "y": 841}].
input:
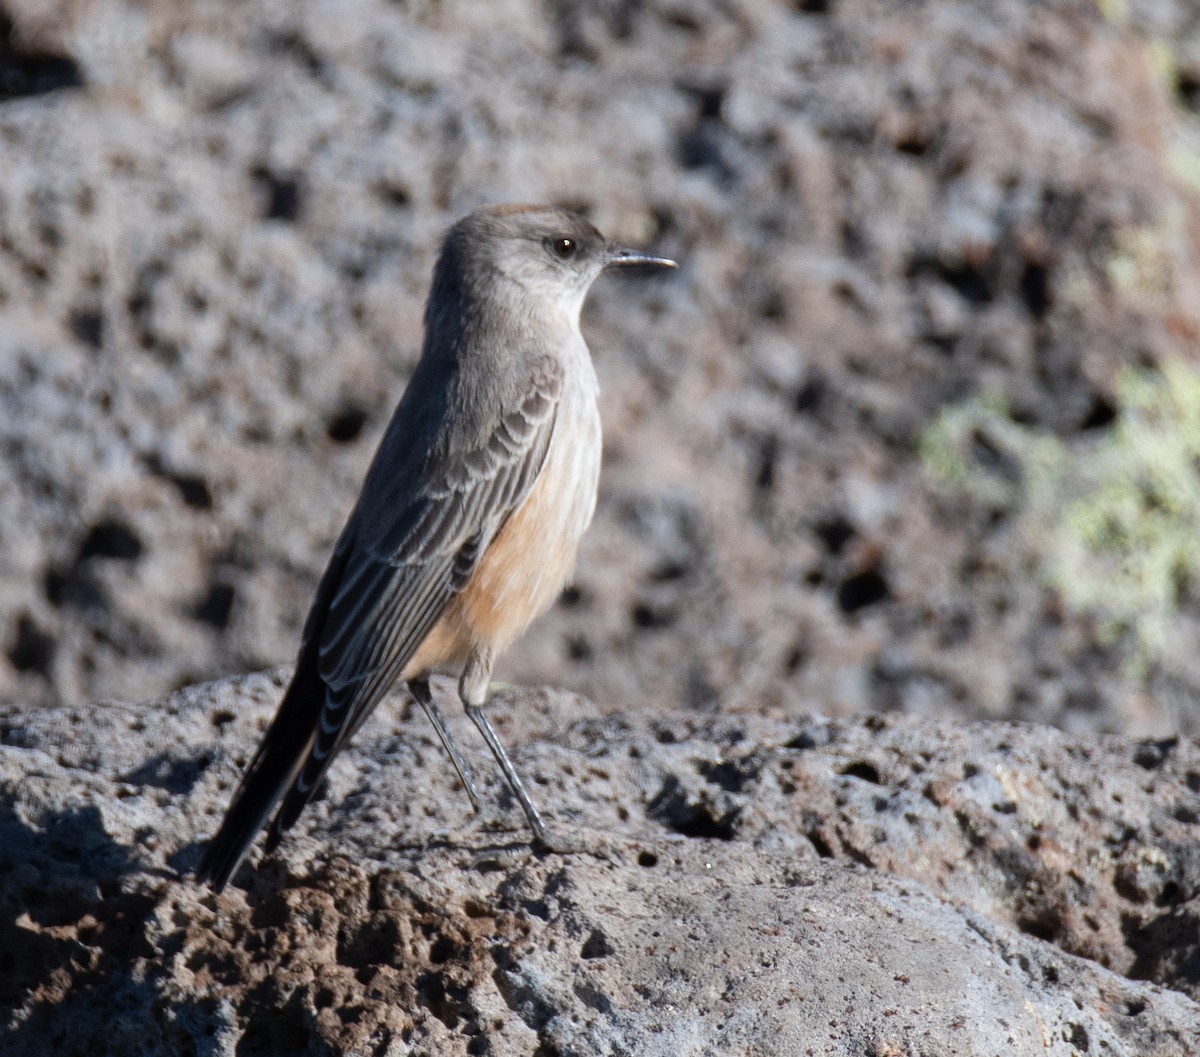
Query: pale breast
[{"x": 531, "y": 559}]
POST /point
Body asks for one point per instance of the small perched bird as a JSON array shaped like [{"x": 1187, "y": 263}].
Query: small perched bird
[{"x": 470, "y": 517}]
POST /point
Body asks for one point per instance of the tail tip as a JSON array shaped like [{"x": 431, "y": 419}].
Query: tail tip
[{"x": 215, "y": 869}]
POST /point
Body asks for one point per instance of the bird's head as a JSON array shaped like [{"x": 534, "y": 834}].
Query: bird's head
[{"x": 551, "y": 253}]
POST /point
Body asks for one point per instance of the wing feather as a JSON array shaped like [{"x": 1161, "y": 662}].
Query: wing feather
[{"x": 392, "y": 590}]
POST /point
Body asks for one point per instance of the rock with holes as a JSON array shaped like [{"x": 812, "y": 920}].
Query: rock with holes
[
  {"x": 741, "y": 887},
  {"x": 217, "y": 223}
]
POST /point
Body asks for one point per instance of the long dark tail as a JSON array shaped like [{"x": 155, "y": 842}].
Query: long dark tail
[{"x": 284, "y": 748}]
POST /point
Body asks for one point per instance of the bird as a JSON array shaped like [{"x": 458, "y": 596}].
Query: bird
[{"x": 470, "y": 516}]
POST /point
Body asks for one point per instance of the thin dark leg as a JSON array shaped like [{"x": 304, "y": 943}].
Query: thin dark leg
[
  {"x": 419, "y": 688},
  {"x": 510, "y": 773}
]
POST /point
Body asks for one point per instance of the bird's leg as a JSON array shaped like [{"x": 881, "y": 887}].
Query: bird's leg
[
  {"x": 473, "y": 688},
  {"x": 419, "y": 688}
]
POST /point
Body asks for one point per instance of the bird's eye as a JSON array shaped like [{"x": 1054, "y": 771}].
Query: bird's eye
[{"x": 563, "y": 247}]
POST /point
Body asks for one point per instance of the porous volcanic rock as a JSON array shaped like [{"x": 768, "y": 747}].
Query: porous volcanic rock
[
  {"x": 740, "y": 886},
  {"x": 217, "y": 221}
]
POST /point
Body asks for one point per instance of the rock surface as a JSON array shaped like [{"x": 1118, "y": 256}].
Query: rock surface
[
  {"x": 217, "y": 221},
  {"x": 744, "y": 886}
]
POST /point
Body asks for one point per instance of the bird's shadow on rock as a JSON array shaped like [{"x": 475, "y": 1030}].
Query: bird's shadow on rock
[{"x": 78, "y": 971}]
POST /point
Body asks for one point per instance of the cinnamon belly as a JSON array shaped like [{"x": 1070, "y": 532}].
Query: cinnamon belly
[{"x": 526, "y": 567}]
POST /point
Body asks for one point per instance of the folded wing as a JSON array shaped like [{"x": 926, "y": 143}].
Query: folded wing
[{"x": 399, "y": 561}]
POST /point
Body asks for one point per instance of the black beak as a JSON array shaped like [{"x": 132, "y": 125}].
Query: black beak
[{"x": 620, "y": 257}]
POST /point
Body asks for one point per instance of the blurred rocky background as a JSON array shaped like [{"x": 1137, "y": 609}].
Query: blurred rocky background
[{"x": 848, "y": 445}]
